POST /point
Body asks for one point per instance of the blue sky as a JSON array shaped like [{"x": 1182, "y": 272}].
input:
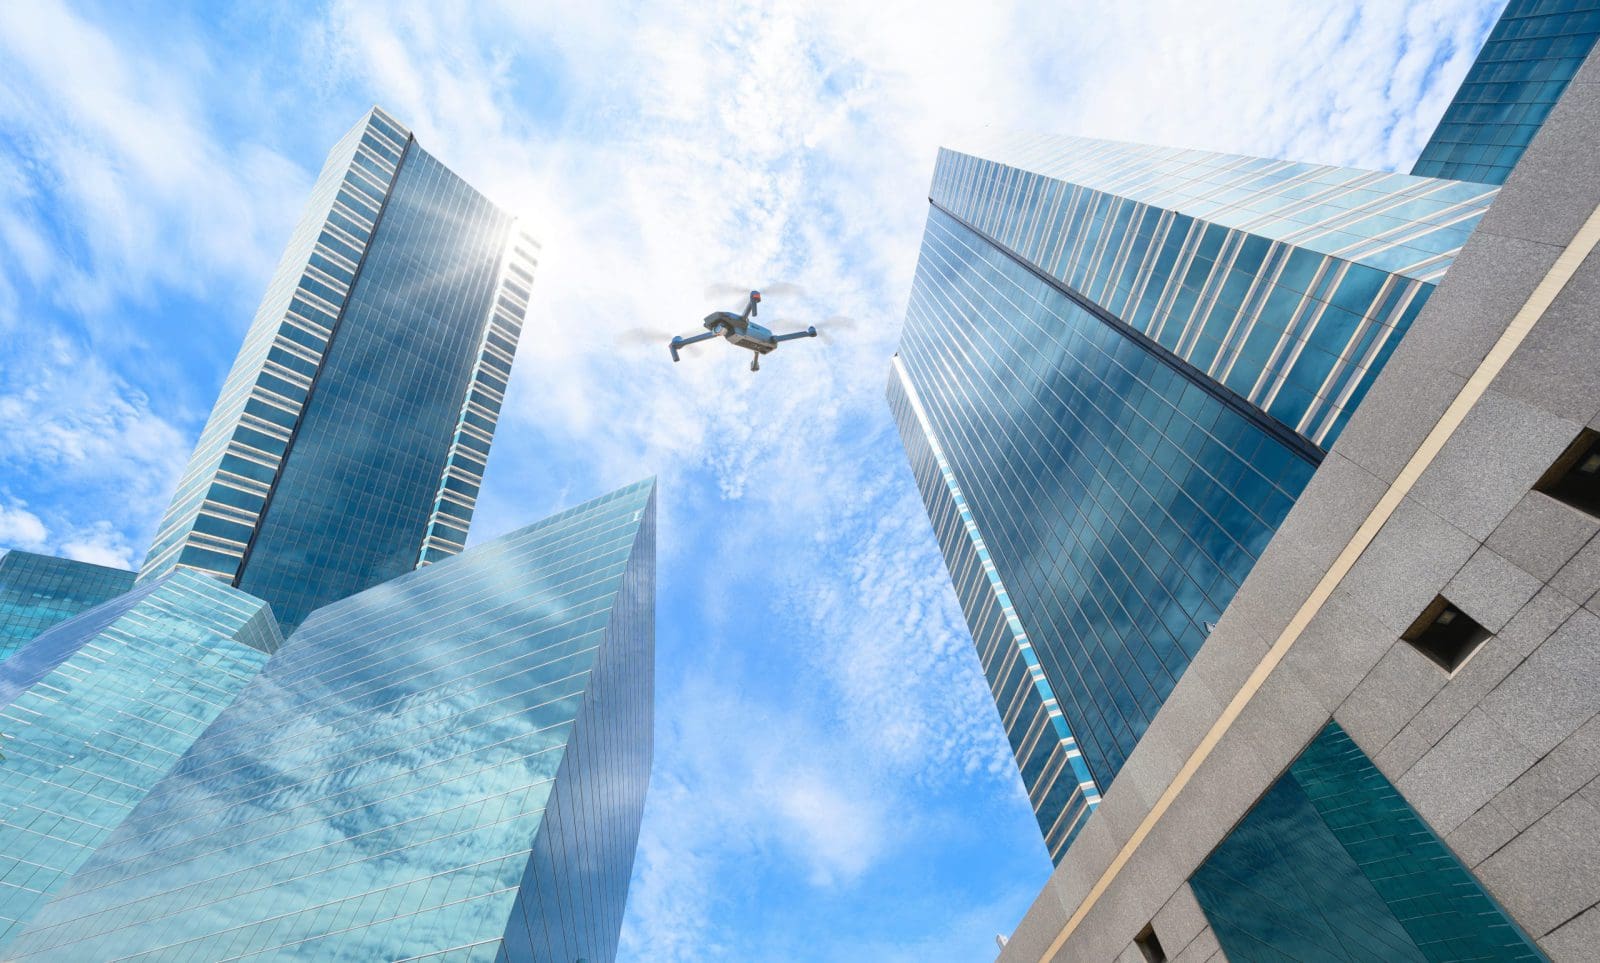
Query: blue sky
[{"x": 831, "y": 782}]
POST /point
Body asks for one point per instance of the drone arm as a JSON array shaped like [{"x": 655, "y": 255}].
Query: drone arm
[
  {"x": 807, "y": 333},
  {"x": 681, "y": 342}
]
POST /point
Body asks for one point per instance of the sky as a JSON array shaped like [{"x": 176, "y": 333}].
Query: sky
[{"x": 831, "y": 781}]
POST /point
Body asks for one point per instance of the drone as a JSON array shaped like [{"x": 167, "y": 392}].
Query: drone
[{"x": 742, "y": 332}]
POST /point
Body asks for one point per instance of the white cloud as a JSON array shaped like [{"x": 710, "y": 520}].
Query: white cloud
[
  {"x": 1347, "y": 83},
  {"x": 751, "y": 788},
  {"x": 78, "y": 433},
  {"x": 115, "y": 156},
  {"x": 100, "y": 543},
  {"x": 20, "y": 528}
]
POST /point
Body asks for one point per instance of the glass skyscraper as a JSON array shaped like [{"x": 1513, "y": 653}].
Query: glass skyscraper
[
  {"x": 450, "y": 765},
  {"x": 1531, "y": 54},
  {"x": 350, "y": 438},
  {"x": 97, "y": 709},
  {"x": 39, "y": 591},
  {"x": 1120, "y": 367},
  {"x": 448, "y": 757}
]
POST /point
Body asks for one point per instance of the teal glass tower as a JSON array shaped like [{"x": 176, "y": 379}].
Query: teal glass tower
[
  {"x": 1532, "y": 53},
  {"x": 97, "y": 709},
  {"x": 351, "y": 435},
  {"x": 1121, "y": 365},
  {"x": 40, "y": 591},
  {"x": 448, "y": 766}
]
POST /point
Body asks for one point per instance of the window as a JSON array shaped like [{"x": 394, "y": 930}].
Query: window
[
  {"x": 1445, "y": 634},
  {"x": 1575, "y": 476},
  {"x": 1150, "y": 946}
]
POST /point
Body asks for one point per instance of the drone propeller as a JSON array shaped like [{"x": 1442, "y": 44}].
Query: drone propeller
[
  {"x": 638, "y": 336},
  {"x": 777, "y": 289},
  {"x": 718, "y": 292}
]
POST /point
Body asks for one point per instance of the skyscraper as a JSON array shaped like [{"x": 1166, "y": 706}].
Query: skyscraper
[
  {"x": 444, "y": 760},
  {"x": 1532, "y": 53},
  {"x": 1129, "y": 359},
  {"x": 1320, "y": 613},
  {"x": 39, "y": 591},
  {"x": 97, "y": 709},
  {"x": 350, "y": 438},
  {"x": 450, "y": 765}
]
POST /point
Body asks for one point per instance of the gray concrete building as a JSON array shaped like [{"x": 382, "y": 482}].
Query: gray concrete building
[{"x": 1421, "y": 635}]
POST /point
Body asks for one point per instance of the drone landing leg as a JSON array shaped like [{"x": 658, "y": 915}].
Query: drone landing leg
[{"x": 755, "y": 363}]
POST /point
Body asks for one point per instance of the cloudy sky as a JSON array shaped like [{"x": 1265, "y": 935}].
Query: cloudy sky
[{"x": 831, "y": 781}]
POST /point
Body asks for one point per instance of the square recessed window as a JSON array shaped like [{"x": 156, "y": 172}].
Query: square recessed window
[
  {"x": 1446, "y": 634},
  {"x": 1150, "y": 946},
  {"x": 1575, "y": 477}
]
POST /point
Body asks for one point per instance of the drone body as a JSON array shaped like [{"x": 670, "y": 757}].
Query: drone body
[{"x": 742, "y": 332}]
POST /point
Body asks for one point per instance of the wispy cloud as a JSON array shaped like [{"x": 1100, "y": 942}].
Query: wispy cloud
[
  {"x": 85, "y": 449},
  {"x": 123, "y": 188},
  {"x": 1351, "y": 83}
]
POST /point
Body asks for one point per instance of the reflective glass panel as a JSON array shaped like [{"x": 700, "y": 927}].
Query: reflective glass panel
[
  {"x": 1532, "y": 53},
  {"x": 453, "y": 762},
  {"x": 1332, "y": 864},
  {"x": 95, "y": 711},
  {"x": 39, "y": 591},
  {"x": 1120, "y": 499}
]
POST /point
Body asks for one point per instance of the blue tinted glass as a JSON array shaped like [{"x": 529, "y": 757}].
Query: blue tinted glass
[
  {"x": 1287, "y": 282},
  {"x": 1121, "y": 365},
  {"x": 455, "y": 759},
  {"x": 1532, "y": 53},
  {"x": 1058, "y": 782},
  {"x": 99, "y": 708},
  {"x": 350, "y": 438},
  {"x": 39, "y": 591},
  {"x": 1333, "y": 865},
  {"x": 353, "y": 499},
  {"x": 1121, "y": 503}
]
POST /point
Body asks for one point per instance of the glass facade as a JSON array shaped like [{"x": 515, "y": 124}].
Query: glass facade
[
  {"x": 1288, "y": 283},
  {"x": 450, "y": 766},
  {"x": 1333, "y": 865},
  {"x": 1120, "y": 367},
  {"x": 39, "y": 591},
  {"x": 1532, "y": 52},
  {"x": 98, "y": 709},
  {"x": 351, "y": 435},
  {"x": 1120, "y": 502},
  {"x": 1058, "y": 783}
]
